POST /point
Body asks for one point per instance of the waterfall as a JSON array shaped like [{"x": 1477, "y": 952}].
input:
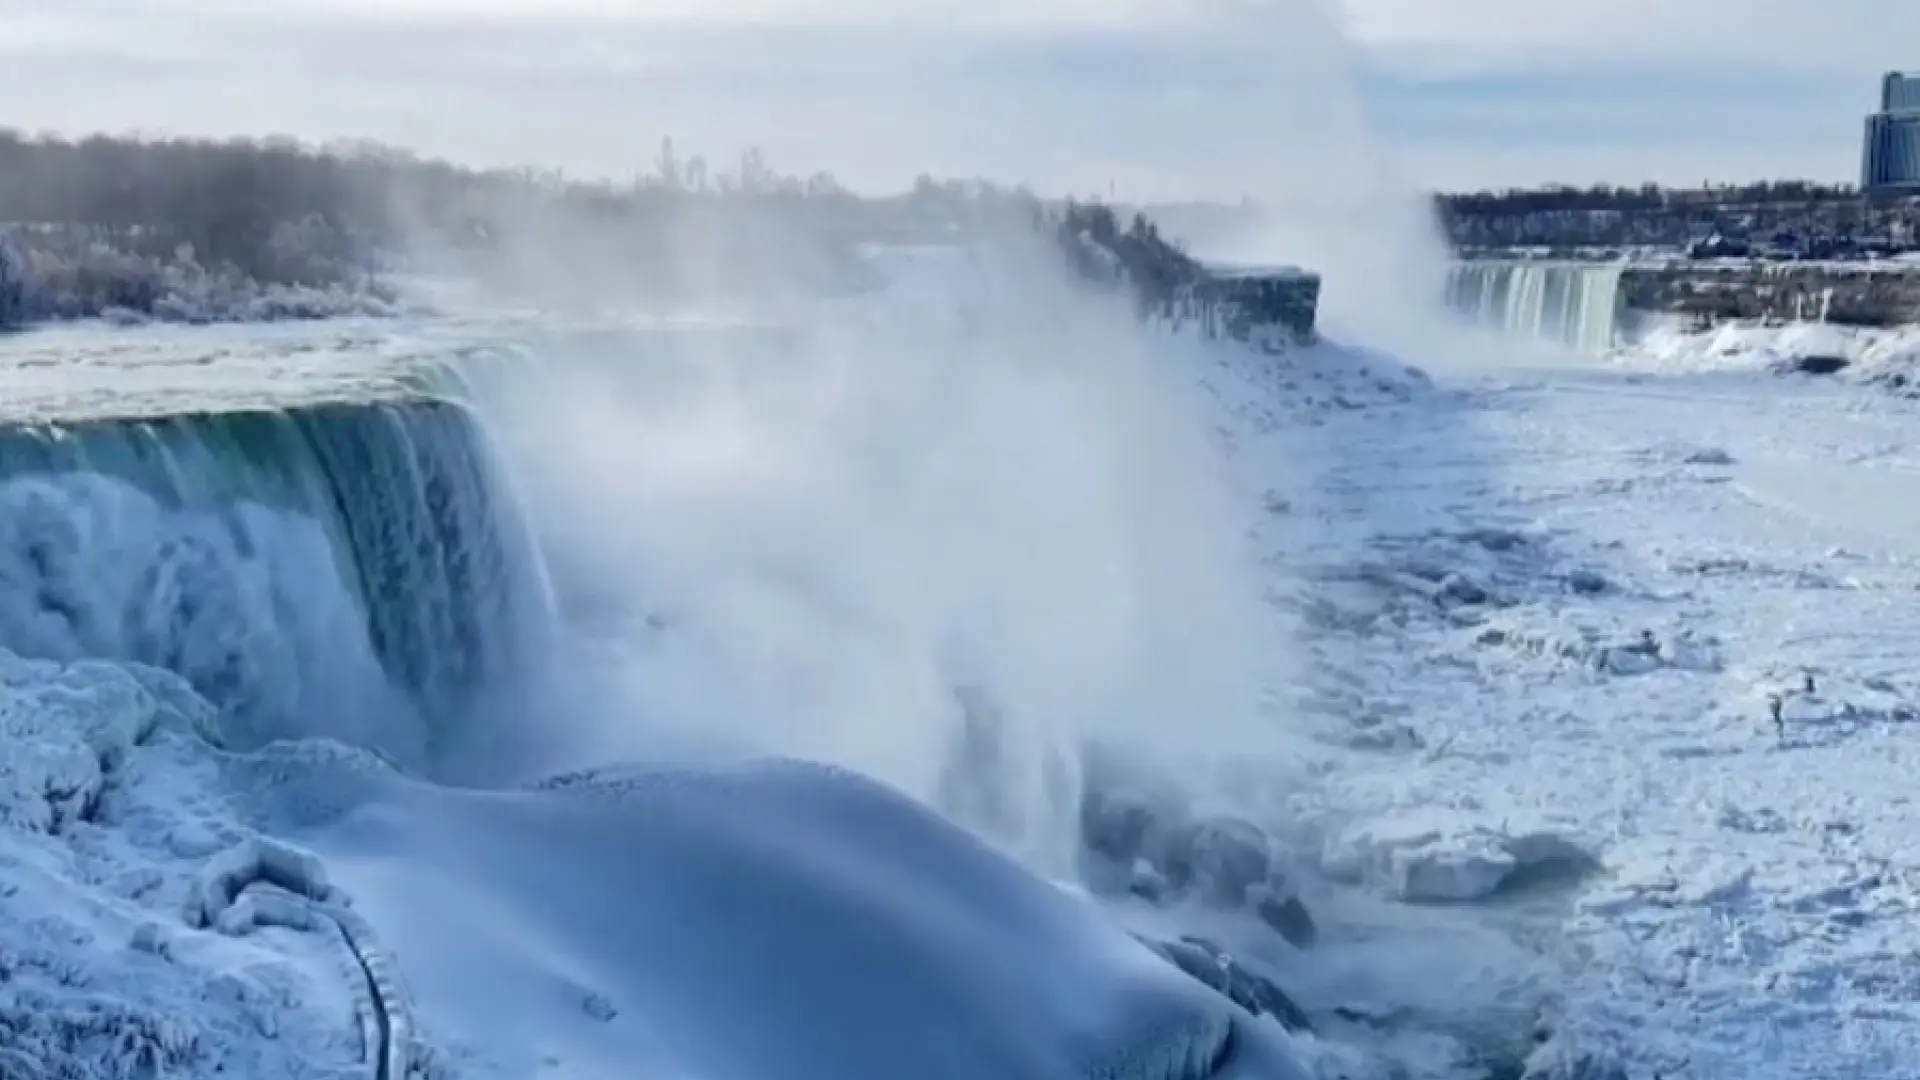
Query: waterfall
[
  {"x": 350, "y": 569},
  {"x": 1574, "y": 304}
]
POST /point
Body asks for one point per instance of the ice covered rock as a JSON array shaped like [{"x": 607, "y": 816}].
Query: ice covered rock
[
  {"x": 1223, "y": 862},
  {"x": 1685, "y": 651},
  {"x": 1557, "y": 1059},
  {"x": 1218, "y": 970},
  {"x": 1419, "y": 863},
  {"x": 1634, "y": 658},
  {"x": 1690, "y": 652},
  {"x": 1386, "y": 738},
  {"x": 1117, "y": 825},
  {"x": 1219, "y": 860},
  {"x": 1288, "y": 916},
  {"x": 228, "y": 874},
  {"x": 1447, "y": 589},
  {"x": 1495, "y": 539},
  {"x": 1709, "y": 455},
  {"x": 1816, "y": 364},
  {"x": 63, "y": 729},
  {"x": 1468, "y": 870},
  {"x": 1587, "y": 582},
  {"x": 1147, "y": 883}
]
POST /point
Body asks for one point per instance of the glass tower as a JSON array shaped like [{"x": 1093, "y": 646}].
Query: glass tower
[{"x": 1890, "y": 153}]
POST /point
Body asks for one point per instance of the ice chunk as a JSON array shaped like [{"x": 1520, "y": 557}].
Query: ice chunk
[
  {"x": 1420, "y": 863},
  {"x": 1468, "y": 870}
]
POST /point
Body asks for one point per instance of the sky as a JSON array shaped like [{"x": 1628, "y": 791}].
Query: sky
[{"x": 1143, "y": 99}]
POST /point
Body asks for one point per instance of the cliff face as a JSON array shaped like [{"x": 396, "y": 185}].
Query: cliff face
[
  {"x": 1264, "y": 308},
  {"x": 1708, "y": 293},
  {"x": 1267, "y": 307},
  {"x": 13, "y": 288},
  {"x": 1787, "y": 220}
]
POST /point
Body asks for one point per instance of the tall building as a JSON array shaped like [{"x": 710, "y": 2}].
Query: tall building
[
  {"x": 1900, "y": 91},
  {"x": 1890, "y": 152}
]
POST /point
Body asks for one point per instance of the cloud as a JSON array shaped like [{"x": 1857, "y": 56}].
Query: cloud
[
  {"x": 1156, "y": 97},
  {"x": 1489, "y": 92},
  {"x": 1843, "y": 37},
  {"x": 1073, "y": 100}
]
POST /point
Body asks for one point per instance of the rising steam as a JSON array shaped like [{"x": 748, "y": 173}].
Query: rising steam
[{"x": 970, "y": 526}]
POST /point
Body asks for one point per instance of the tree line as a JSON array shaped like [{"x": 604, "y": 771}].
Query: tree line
[
  {"x": 115, "y": 223},
  {"x": 1641, "y": 198}
]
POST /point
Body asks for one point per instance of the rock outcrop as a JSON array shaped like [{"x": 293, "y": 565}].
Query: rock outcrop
[
  {"x": 13, "y": 287},
  {"x": 1264, "y": 307},
  {"x": 1152, "y": 850}
]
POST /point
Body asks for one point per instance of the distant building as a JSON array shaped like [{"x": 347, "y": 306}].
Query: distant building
[
  {"x": 1900, "y": 91},
  {"x": 1890, "y": 152}
]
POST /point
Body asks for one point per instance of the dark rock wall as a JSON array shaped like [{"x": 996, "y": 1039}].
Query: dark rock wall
[{"x": 1705, "y": 294}]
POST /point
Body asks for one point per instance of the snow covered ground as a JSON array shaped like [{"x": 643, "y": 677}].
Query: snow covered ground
[
  {"x": 1889, "y": 356},
  {"x": 1545, "y": 820},
  {"x": 1572, "y": 598}
]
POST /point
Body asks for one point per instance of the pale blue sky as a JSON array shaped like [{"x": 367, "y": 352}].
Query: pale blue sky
[{"x": 1158, "y": 96}]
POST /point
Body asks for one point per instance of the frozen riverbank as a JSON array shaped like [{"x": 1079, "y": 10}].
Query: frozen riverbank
[{"x": 1581, "y": 595}]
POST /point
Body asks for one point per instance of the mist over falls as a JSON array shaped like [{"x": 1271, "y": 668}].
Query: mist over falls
[
  {"x": 982, "y": 526},
  {"x": 952, "y": 535}
]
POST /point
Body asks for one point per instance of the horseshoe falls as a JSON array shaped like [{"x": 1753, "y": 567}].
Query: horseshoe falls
[{"x": 1578, "y": 305}]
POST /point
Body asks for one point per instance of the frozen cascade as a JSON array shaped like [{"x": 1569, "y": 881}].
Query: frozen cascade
[
  {"x": 352, "y": 569},
  {"x": 1574, "y": 303},
  {"x": 361, "y": 571}
]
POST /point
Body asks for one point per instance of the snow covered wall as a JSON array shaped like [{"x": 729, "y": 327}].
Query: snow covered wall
[{"x": 1575, "y": 304}]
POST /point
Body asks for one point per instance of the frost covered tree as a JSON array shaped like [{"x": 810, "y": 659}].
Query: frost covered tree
[{"x": 200, "y": 229}]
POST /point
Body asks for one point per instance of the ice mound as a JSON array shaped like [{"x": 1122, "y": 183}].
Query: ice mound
[
  {"x": 192, "y": 912},
  {"x": 632, "y": 918}
]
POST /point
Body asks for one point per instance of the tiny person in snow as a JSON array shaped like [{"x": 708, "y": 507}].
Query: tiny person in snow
[{"x": 1776, "y": 707}]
